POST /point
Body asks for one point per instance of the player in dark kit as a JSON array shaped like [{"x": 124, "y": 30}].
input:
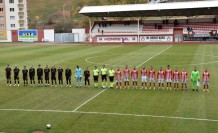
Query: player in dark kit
[
  {"x": 39, "y": 75},
  {"x": 8, "y": 75},
  {"x": 25, "y": 76},
  {"x": 60, "y": 76},
  {"x": 16, "y": 76},
  {"x": 32, "y": 76},
  {"x": 53, "y": 76},
  {"x": 46, "y": 71},
  {"x": 68, "y": 74},
  {"x": 87, "y": 77}
]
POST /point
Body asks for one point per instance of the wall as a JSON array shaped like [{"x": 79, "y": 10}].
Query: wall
[
  {"x": 49, "y": 35},
  {"x": 9, "y": 37},
  {"x": 79, "y": 35}
]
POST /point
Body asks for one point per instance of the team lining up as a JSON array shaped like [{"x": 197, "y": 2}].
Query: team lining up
[{"x": 167, "y": 75}]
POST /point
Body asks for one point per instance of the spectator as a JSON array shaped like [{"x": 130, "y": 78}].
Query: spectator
[
  {"x": 99, "y": 30},
  {"x": 164, "y": 22},
  {"x": 176, "y": 23},
  {"x": 102, "y": 32},
  {"x": 214, "y": 20},
  {"x": 167, "y": 21},
  {"x": 186, "y": 21},
  {"x": 155, "y": 25}
]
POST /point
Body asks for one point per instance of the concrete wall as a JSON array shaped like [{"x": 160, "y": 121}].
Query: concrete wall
[{"x": 79, "y": 35}]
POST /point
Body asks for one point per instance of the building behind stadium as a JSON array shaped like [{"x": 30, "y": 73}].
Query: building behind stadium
[{"x": 13, "y": 15}]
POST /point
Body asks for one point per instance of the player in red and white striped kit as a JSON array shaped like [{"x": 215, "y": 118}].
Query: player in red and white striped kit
[
  {"x": 134, "y": 75},
  {"x": 206, "y": 79},
  {"x": 126, "y": 76},
  {"x": 169, "y": 76},
  {"x": 118, "y": 77},
  {"x": 176, "y": 77},
  {"x": 151, "y": 75},
  {"x": 144, "y": 74},
  {"x": 160, "y": 77},
  {"x": 184, "y": 78}
]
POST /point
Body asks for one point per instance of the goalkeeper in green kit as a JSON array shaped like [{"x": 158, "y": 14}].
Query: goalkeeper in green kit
[{"x": 195, "y": 77}]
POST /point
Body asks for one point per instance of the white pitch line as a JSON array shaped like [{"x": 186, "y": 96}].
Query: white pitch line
[
  {"x": 154, "y": 56},
  {"x": 88, "y": 100},
  {"x": 115, "y": 114},
  {"x": 152, "y": 116}
]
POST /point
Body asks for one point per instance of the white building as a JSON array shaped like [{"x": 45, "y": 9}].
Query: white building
[{"x": 13, "y": 15}]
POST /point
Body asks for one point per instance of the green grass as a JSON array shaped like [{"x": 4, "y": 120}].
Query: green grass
[{"x": 184, "y": 104}]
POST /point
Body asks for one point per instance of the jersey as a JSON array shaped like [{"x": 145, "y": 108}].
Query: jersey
[
  {"x": 144, "y": 72},
  {"x": 111, "y": 73},
  {"x": 95, "y": 72},
  {"x": 195, "y": 75},
  {"x": 60, "y": 72},
  {"x": 8, "y": 71},
  {"x": 126, "y": 73},
  {"x": 87, "y": 73},
  {"x": 176, "y": 76},
  {"x": 103, "y": 71},
  {"x": 118, "y": 75},
  {"x": 134, "y": 74},
  {"x": 25, "y": 72},
  {"x": 151, "y": 74},
  {"x": 39, "y": 72},
  {"x": 68, "y": 72},
  {"x": 78, "y": 72},
  {"x": 160, "y": 74},
  {"x": 169, "y": 74},
  {"x": 206, "y": 76},
  {"x": 16, "y": 72},
  {"x": 53, "y": 72},
  {"x": 184, "y": 76},
  {"x": 46, "y": 71},
  {"x": 32, "y": 72}
]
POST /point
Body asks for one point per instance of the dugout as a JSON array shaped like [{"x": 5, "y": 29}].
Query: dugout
[{"x": 199, "y": 15}]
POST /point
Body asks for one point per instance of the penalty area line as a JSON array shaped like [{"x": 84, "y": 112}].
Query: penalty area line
[{"x": 112, "y": 114}]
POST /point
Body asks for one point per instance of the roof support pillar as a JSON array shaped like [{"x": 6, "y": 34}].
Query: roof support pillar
[
  {"x": 138, "y": 30},
  {"x": 90, "y": 30}
]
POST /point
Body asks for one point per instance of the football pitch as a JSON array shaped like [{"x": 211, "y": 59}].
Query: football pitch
[{"x": 96, "y": 110}]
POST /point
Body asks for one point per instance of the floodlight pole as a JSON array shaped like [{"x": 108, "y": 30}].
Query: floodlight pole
[
  {"x": 138, "y": 30},
  {"x": 90, "y": 30}
]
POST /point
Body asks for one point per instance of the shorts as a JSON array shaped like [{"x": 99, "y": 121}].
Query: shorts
[
  {"x": 8, "y": 77},
  {"x": 104, "y": 77},
  {"x": 39, "y": 77},
  {"x": 53, "y": 78},
  {"x": 134, "y": 79},
  {"x": 126, "y": 79},
  {"x": 25, "y": 78},
  {"x": 78, "y": 78},
  {"x": 161, "y": 81},
  {"x": 184, "y": 81},
  {"x": 144, "y": 79},
  {"x": 46, "y": 77},
  {"x": 169, "y": 81},
  {"x": 152, "y": 80},
  {"x": 95, "y": 78},
  {"x": 16, "y": 77},
  {"x": 205, "y": 82},
  {"x": 68, "y": 78},
  {"x": 31, "y": 77},
  {"x": 176, "y": 81},
  {"x": 119, "y": 81},
  {"x": 111, "y": 78}
]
